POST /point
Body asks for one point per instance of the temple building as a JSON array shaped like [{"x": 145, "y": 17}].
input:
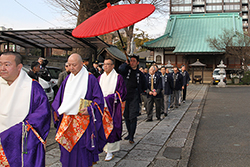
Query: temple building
[{"x": 185, "y": 41}]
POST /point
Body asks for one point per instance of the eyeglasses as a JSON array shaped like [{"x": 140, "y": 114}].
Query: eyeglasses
[{"x": 107, "y": 64}]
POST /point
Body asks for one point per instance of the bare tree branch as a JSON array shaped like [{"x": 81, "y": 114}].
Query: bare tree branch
[
  {"x": 83, "y": 9},
  {"x": 233, "y": 44}
]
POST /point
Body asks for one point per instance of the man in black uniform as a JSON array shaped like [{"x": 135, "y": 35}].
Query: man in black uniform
[
  {"x": 95, "y": 70},
  {"x": 177, "y": 82},
  {"x": 35, "y": 68},
  {"x": 136, "y": 84},
  {"x": 186, "y": 80},
  {"x": 86, "y": 62}
]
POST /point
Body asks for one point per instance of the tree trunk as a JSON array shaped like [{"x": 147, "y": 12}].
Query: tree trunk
[
  {"x": 87, "y": 9},
  {"x": 129, "y": 31}
]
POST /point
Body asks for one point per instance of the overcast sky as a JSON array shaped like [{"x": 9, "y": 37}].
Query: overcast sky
[{"x": 36, "y": 14}]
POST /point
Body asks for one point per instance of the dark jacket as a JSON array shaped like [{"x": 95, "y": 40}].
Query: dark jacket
[
  {"x": 158, "y": 73},
  {"x": 168, "y": 84},
  {"x": 179, "y": 81},
  {"x": 157, "y": 85},
  {"x": 95, "y": 72},
  {"x": 43, "y": 73},
  {"x": 186, "y": 77},
  {"x": 124, "y": 69},
  {"x": 146, "y": 75},
  {"x": 33, "y": 75}
]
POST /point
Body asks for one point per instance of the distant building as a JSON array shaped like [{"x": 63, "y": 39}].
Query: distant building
[
  {"x": 146, "y": 58},
  {"x": 185, "y": 40},
  {"x": 212, "y": 6}
]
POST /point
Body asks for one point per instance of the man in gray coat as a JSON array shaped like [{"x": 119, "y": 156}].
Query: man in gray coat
[{"x": 63, "y": 75}]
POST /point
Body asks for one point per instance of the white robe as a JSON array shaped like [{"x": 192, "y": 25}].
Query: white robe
[
  {"x": 108, "y": 84},
  {"x": 14, "y": 100},
  {"x": 75, "y": 89}
]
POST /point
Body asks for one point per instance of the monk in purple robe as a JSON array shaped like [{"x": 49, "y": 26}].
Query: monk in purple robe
[
  {"x": 114, "y": 91},
  {"x": 82, "y": 146},
  {"x": 24, "y": 115}
]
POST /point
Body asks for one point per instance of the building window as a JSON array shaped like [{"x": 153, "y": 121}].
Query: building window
[
  {"x": 170, "y": 58},
  {"x": 181, "y": 2},
  {"x": 158, "y": 59},
  {"x": 213, "y": 8},
  {"x": 231, "y": 0},
  {"x": 214, "y": 1},
  {"x": 232, "y": 7},
  {"x": 181, "y": 8},
  {"x": 198, "y": 9}
]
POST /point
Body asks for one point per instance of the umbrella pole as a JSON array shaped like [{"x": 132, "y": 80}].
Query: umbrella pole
[{"x": 123, "y": 45}]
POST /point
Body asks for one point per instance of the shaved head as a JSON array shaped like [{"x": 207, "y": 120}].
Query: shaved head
[
  {"x": 75, "y": 63},
  {"x": 75, "y": 56}
]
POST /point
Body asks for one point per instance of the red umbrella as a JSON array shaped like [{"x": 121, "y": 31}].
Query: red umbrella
[{"x": 113, "y": 18}]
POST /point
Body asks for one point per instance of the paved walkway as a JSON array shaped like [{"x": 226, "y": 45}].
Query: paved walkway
[
  {"x": 222, "y": 138},
  {"x": 158, "y": 143}
]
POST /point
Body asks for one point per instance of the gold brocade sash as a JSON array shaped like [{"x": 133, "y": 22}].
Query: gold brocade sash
[
  {"x": 72, "y": 127},
  {"x": 107, "y": 122},
  {"x": 107, "y": 119},
  {"x": 3, "y": 159}
]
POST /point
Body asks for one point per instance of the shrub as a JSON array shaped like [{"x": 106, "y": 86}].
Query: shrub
[{"x": 246, "y": 78}]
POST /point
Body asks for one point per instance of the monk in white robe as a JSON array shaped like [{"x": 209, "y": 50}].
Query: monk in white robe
[{"x": 114, "y": 91}]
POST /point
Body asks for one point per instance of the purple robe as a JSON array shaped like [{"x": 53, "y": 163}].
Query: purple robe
[
  {"x": 116, "y": 133},
  {"x": 39, "y": 117},
  {"x": 83, "y": 154}
]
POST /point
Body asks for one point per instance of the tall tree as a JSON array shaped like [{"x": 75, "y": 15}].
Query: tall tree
[
  {"x": 233, "y": 44},
  {"x": 140, "y": 37},
  {"x": 83, "y": 9},
  {"x": 161, "y": 7}
]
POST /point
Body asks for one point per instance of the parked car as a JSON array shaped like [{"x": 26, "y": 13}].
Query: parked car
[
  {"x": 216, "y": 76},
  {"x": 46, "y": 85},
  {"x": 54, "y": 73}
]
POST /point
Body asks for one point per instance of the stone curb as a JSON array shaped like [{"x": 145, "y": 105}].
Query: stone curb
[
  {"x": 186, "y": 151},
  {"x": 176, "y": 151}
]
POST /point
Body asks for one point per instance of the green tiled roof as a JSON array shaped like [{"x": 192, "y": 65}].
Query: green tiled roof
[{"x": 188, "y": 33}]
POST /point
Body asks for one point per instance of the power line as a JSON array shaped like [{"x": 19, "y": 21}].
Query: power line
[{"x": 34, "y": 13}]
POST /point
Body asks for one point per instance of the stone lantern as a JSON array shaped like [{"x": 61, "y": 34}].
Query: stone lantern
[
  {"x": 221, "y": 72},
  {"x": 169, "y": 66},
  {"x": 197, "y": 64}
]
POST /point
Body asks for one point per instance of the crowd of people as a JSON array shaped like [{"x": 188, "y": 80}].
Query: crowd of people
[
  {"x": 165, "y": 89},
  {"x": 87, "y": 110}
]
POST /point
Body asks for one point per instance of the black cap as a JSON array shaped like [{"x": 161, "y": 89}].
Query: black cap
[
  {"x": 96, "y": 62},
  {"x": 34, "y": 64},
  {"x": 85, "y": 58}
]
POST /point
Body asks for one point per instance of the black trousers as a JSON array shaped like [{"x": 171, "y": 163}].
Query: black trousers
[
  {"x": 162, "y": 102},
  {"x": 158, "y": 102},
  {"x": 184, "y": 92},
  {"x": 130, "y": 114}
]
